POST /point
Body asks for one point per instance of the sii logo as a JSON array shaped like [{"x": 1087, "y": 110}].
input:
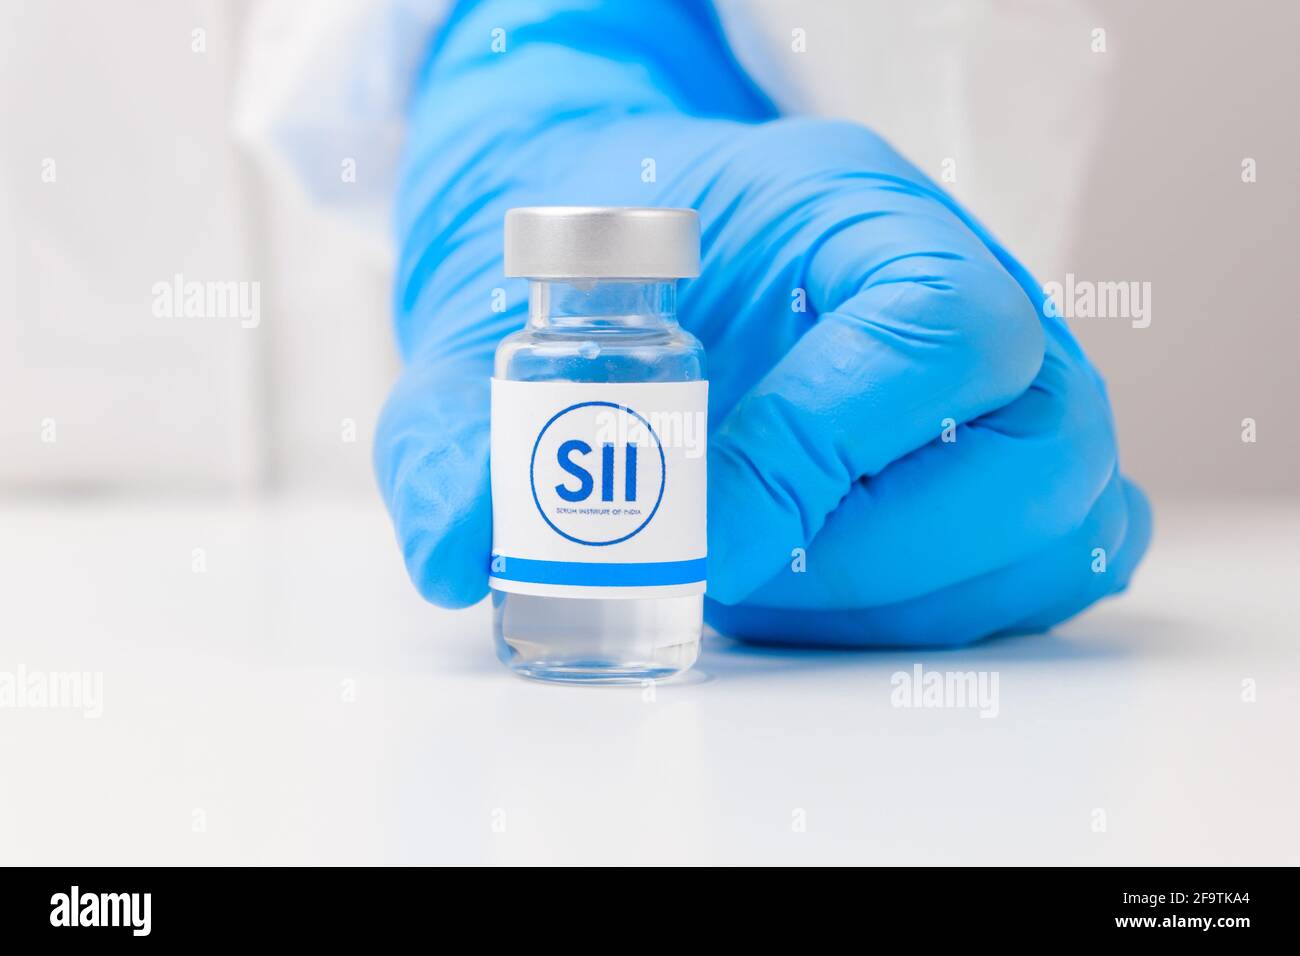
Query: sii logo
[{"x": 597, "y": 473}]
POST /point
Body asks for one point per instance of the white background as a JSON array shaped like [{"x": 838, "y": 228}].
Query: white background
[{"x": 224, "y": 689}]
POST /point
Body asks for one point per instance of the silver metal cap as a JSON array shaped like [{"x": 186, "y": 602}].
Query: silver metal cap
[{"x": 602, "y": 242}]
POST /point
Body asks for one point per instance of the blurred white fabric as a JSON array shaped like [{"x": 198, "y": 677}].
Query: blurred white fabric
[
  {"x": 150, "y": 185},
  {"x": 323, "y": 93}
]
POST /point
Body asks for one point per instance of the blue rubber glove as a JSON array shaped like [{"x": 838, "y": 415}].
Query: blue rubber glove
[{"x": 903, "y": 449}]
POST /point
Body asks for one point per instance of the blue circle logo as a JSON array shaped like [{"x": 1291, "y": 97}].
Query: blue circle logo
[{"x": 597, "y": 473}]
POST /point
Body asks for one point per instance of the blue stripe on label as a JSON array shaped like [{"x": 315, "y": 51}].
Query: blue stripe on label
[{"x": 645, "y": 574}]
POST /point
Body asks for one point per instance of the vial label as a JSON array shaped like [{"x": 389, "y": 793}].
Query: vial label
[{"x": 599, "y": 489}]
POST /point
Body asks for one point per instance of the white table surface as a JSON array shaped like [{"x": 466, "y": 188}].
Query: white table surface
[{"x": 226, "y": 737}]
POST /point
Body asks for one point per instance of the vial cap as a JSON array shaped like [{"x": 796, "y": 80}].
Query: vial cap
[{"x": 602, "y": 242}]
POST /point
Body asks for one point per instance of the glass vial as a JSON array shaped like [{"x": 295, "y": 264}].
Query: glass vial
[{"x": 599, "y": 412}]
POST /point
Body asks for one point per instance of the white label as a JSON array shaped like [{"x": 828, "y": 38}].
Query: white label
[{"x": 599, "y": 490}]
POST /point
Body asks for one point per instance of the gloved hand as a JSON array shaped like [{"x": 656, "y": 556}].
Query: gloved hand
[{"x": 904, "y": 450}]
